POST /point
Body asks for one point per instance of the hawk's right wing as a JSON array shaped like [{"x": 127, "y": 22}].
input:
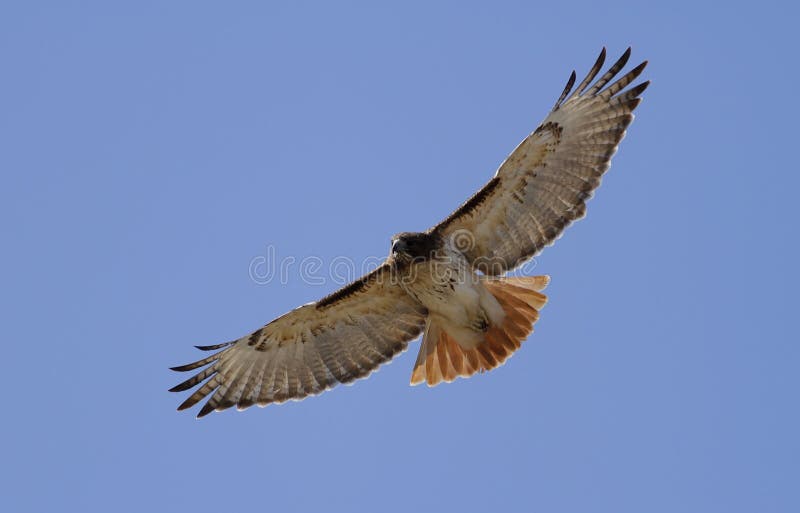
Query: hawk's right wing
[{"x": 338, "y": 339}]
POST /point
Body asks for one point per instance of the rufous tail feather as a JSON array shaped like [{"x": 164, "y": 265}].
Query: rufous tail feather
[{"x": 441, "y": 358}]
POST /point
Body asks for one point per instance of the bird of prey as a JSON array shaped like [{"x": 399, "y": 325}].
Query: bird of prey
[{"x": 448, "y": 283}]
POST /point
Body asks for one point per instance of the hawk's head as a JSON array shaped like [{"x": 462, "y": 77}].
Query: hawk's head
[{"x": 410, "y": 247}]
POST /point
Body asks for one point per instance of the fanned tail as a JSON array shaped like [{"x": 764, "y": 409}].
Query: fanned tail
[{"x": 442, "y": 358}]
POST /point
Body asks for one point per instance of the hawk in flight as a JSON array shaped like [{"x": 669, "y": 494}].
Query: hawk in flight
[{"x": 446, "y": 283}]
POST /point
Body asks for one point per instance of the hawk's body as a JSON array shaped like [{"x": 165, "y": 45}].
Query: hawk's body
[{"x": 446, "y": 282}]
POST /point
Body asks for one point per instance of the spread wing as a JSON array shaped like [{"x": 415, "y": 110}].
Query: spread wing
[
  {"x": 340, "y": 338},
  {"x": 544, "y": 184}
]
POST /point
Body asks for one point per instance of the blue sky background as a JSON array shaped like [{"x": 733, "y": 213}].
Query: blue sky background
[{"x": 151, "y": 151}]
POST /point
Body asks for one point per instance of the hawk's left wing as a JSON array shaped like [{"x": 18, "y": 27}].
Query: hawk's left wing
[
  {"x": 544, "y": 184},
  {"x": 338, "y": 339}
]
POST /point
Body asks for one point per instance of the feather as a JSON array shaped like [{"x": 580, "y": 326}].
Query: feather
[
  {"x": 543, "y": 186},
  {"x": 309, "y": 349}
]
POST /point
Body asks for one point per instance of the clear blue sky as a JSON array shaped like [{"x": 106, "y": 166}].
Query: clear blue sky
[{"x": 151, "y": 151}]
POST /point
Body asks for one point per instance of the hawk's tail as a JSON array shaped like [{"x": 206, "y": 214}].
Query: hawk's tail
[{"x": 441, "y": 358}]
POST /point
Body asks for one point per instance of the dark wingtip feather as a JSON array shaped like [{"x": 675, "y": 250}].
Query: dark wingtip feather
[
  {"x": 633, "y": 92},
  {"x": 183, "y": 368},
  {"x": 194, "y": 380},
  {"x": 601, "y": 58},
  {"x": 205, "y": 410},
  {"x": 188, "y": 403},
  {"x": 635, "y": 72},
  {"x": 596, "y": 67},
  {"x": 177, "y": 388},
  {"x": 566, "y": 90},
  {"x": 214, "y": 347},
  {"x": 194, "y": 365},
  {"x": 622, "y": 61},
  {"x": 639, "y": 89}
]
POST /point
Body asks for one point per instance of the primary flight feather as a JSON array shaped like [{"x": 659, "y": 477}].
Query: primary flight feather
[{"x": 446, "y": 283}]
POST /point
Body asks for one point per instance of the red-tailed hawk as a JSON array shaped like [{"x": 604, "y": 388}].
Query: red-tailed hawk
[{"x": 446, "y": 283}]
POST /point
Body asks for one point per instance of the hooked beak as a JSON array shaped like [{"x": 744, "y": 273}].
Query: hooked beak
[{"x": 399, "y": 246}]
